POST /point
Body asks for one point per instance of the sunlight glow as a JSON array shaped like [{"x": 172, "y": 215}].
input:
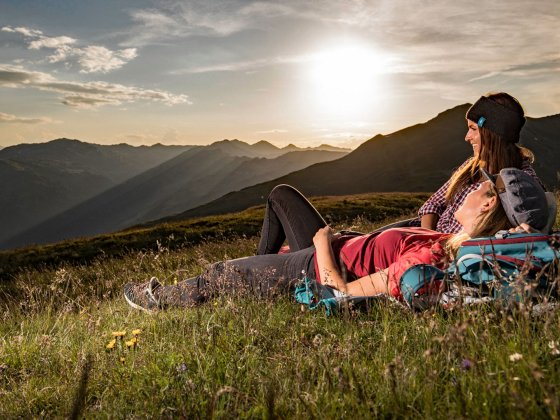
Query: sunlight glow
[{"x": 346, "y": 81}]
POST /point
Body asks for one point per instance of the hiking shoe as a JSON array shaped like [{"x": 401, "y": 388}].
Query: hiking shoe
[{"x": 141, "y": 295}]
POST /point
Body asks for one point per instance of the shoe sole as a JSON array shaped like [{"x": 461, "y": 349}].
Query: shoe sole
[{"x": 135, "y": 305}]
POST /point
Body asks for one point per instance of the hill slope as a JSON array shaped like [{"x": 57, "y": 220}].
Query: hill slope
[{"x": 418, "y": 158}]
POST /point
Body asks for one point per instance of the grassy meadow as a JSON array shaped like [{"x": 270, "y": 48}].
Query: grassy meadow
[{"x": 70, "y": 346}]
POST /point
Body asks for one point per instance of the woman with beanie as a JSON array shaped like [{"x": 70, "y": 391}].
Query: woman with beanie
[{"x": 494, "y": 123}]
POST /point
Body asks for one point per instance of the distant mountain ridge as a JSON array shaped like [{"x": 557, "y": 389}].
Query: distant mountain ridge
[
  {"x": 188, "y": 179},
  {"x": 40, "y": 180},
  {"x": 419, "y": 158},
  {"x": 117, "y": 162},
  {"x": 265, "y": 149}
]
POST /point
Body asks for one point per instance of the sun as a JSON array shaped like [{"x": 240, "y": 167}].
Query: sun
[{"x": 346, "y": 80}]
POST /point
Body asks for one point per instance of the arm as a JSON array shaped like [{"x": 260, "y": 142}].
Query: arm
[
  {"x": 372, "y": 284},
  {"x": 436, "y": 204},
  {"x": 429, "y": 221}
]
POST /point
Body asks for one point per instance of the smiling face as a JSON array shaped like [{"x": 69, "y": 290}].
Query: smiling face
[
  {"x": 473, "y": 137},
  {"x": 476, "y": 203}
]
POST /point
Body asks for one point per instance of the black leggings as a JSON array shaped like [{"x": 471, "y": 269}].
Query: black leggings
[{"x": 289, "y": 215}]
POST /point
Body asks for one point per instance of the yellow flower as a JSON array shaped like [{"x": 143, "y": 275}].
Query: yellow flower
[
  {"x": 119, "y": 334},
  {"x": 136, "y": 332},
  {"x": 132, "y": 342},
  {"x": 111, "y": 344},
  {"x": 122, "y": 359}
]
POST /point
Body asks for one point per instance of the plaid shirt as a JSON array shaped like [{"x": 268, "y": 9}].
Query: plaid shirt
[{"x": 446, "y": 211}]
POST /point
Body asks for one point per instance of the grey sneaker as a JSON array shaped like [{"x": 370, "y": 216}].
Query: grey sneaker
[{"x": 141, "y": 295}]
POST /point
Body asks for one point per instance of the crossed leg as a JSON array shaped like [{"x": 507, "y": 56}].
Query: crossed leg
[{"x": 289, "y": 215}]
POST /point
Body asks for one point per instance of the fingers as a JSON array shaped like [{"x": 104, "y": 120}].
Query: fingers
[
  {"x": 523, "y": 228},
  {"x": 324, "y": 234},
  {"x": 325, "y": 230}
]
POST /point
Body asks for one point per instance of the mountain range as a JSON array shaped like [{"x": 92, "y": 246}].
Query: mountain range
[
  {"x": 39, "y": 181},
  {"x": 67, "y": 188},
  {"x": 231, "y": 175},
  {"x": 417, "y": 158}
]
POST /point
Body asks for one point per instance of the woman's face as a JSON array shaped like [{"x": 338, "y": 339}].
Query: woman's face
[
  {"x": 473, "y": 136},
  {"x": 476, "y": 203}
]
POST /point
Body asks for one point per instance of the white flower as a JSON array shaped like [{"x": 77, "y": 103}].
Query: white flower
[
  {"x": 515, "y": 357},
  {"x": 553, "y": 345}
]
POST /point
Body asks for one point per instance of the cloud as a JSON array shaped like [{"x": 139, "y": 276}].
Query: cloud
[
  {"x": 85, "y": 94},
  {"x": 53, "y": 43},
  {"x": 9, "y": 118},
  {"x": 525, "y": 70},
  {"x": 100, "y": 59},
  {"x": 92, "y": 59},
  {"x": 249, "y": 65},
  {"x": 23, "y": 31},
  {"x": 432, "y": 37},
  {"x": 181, "y": 19},
  {"x": 273, "y": 131}
]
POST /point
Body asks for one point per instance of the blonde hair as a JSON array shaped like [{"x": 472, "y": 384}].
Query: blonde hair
[{"x": 487, "y": 224}]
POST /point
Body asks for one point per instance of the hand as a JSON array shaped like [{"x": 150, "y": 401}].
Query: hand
[
  {"x": 523, "y": 228},
  {"x": 323, "y": 236}
]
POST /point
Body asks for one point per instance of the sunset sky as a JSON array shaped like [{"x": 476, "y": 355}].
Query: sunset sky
[{"x": 302, "y": 72}]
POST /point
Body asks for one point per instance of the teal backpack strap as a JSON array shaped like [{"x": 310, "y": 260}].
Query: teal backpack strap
[
  {"x": 420, "y": 279},
  {"x": 314, "y": 295},
  {"x": 481, "y": 269}
]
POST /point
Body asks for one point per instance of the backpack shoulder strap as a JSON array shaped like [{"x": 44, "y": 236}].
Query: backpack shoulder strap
[{"x": 419, "y": 278}]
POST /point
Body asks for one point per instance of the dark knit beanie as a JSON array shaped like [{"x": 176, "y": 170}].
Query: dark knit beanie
[{"x": 497, "y": 118}]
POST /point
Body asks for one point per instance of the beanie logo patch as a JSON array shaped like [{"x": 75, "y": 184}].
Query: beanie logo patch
[{"x": 481, "y": 121}]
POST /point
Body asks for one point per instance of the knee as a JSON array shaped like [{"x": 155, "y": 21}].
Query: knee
[{"x": 282, "y": 191}]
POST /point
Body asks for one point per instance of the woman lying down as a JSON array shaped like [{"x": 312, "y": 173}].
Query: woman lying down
[{"x": 357, "y": 264}]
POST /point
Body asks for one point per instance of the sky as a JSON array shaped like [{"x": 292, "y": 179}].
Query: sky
[{"x": 303, "y": 72}]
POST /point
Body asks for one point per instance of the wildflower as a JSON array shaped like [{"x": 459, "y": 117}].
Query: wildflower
[
  {"x": 515, "y": 357},
  {"x": 466, "y": 364},
  {"x": 553, "y": 346},
  {"x": 136, "y": 332},
  {"x": 131, "y": 343},
  {"x": 119, "y": 334},
  {"x": 111, "y": 344},
  {"x": 122, "y": 359}
]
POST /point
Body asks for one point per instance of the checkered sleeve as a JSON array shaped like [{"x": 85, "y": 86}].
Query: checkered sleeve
[{"x": 436, "y": 203}]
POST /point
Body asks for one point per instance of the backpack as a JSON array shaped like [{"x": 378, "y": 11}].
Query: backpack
[
  {"x": 313, "y": 295},
  {"x": 506, "y": 267}
]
